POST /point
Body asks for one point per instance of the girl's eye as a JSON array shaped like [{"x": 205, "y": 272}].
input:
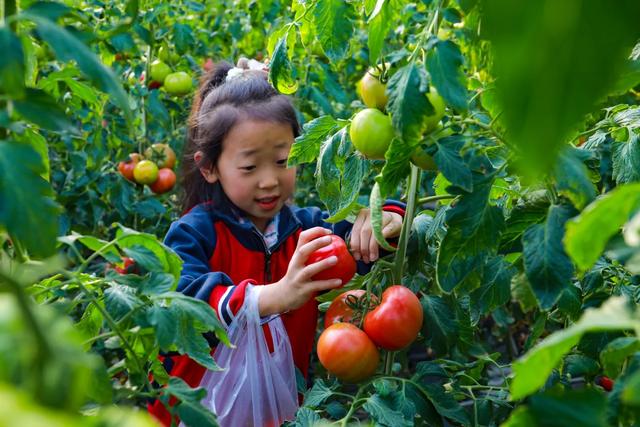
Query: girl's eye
[
  {"x": 282, "y": 162},
  {"x": 248, "y": 168}
]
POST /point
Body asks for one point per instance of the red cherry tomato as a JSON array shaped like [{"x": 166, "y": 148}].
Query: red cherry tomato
[
  {"x": 126, "y": 168},
  {"x": 347, "y": 352},
  {"x": 606, "y": 383},
  {"x": 395, "y": 323},
  {"x": 344, "y": 269},
  {"x": 128, "y": 266},
  {"x": 347, "y": 307}
]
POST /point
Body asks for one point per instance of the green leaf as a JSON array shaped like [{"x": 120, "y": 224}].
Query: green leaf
[
  {"x": 48, "y": 9},
  {"x": 408, "y": 103},
  {"x": 588, "y": 233},
  {"x": 531, "y": 371},
  {"x": 594, "y": 41},
  {"x": 548, "y": 267},
  {"x": 67, "y": 48},
  {"x": 626, "y": 160},
  {"x": 281, "y": 72},
  {"x": 446, "y": 404},
  {"x": 12, "y": 65},
  {"x": 380, "y": 22},
  {"x": 383, "y": 413},
  {"x": 306, "y": 147},
  {"x": 306, "y": 417},
  {"x": 156, "y": 108},
  {"x": 183, "y": 37},
  {"x": 375, "y": 204},
  {"x": 445, "y": 64},
  {"x": 396, "y": 168},
  {"x": 44, "y": 111},
  {"x": 556, "y": 408},
  {"x": 190, "y": 410},
  {"x": 579, "y": 365},
  {"x": 120, "y": 300},
  {"x": 616, "y": 352},
  {"x": 474, "y": 227},
  {"x": 170, "y": 261},
  {"x": 451, "y": 164},
  {"x": 27, "y": 208},
  {"x": 439, "y": 326},
  {"x": 318, "y": 394},
  {"x": 165, "y": 323},
  {"x": 334, "y": 28},
  {"x": 520, "y": 417},
  {"x": 572, "y": 177},
  {"x": 145, "y": 257},
  {"x": 495, "y": 289}
]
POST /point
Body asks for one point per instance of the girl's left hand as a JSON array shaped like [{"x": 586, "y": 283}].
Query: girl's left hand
[{"x": 363, "y": 243}]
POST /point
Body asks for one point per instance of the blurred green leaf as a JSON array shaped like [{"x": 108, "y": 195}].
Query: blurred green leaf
[
  {"x": 555, "y": 408},
  {"x": 12, "y": 63},
  {"x": 588, "y": 233},
  {"x": 615, "y": 353},
  {"x": 552, "y": 62},
  {"x": 27, "y": 208},
  {"x": 44, "y": 111},
  {"x": 280, "y": 70}
]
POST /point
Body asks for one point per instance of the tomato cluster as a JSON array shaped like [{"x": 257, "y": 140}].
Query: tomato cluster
[
  {"x": 351, "y": 353},
  {"x": 155, "y": 170},
  {"x": 161, "y": 74},
  {"x": 371, "y": 130}
]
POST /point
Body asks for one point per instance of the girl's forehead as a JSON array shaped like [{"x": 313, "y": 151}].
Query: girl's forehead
[{"x": 250, "y": 136}]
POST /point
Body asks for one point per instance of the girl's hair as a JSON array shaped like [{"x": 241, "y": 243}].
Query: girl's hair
[{"x": 217, "y": 107}]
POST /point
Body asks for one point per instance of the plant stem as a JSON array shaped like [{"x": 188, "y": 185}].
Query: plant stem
[
  {"x": 413, "y": 186},
  {"x": 429, "y": 199}
]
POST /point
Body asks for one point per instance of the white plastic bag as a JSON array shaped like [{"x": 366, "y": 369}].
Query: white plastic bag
[{"x": 257, "y": 388}]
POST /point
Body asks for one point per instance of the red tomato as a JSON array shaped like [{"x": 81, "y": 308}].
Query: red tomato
[
  {"x": 605, "y": 382},
  {"x": 345, "y": 268},
  {"x": 347, "y": 307},
  {"x": 347, "y": 352},
  {"x": 395, "y": 323},
  {"x": 165, "y": 182},
  {"x": 126, "y": 168},
  {"x": 128, "y": 266}
]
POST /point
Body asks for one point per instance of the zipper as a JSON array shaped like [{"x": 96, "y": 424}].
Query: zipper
[{"x": 268, "y": 252}]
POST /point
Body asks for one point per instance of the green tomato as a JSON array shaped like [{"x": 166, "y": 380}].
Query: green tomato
[
  {"x": 159, "y": 71},
  {"x": 371, "y": 132},
  {"x": 438, "y": 105},
  {"x": 372, "y": 91},
  {"x": 145, "y": 172},
  {"x": 166, "y": 54},
  {"x": 423, "y": 160},
  {"x": 179, "y": 83}
]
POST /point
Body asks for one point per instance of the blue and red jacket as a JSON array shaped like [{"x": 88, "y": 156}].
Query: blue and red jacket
[{"x": 222, "y": 254}]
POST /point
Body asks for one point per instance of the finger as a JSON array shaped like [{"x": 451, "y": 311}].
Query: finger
[
  {"x": 318, "y": 267},
  {"x": 392, "y": 229},
  {"x": 355, "y": 234},
  {"x": 302, "y": 253},
  {"x": 324, "y": 285},
  {"x": 365, "y": 238},
  {"x": 312, "y": 233},
  {"x": 373, "y": 248}
]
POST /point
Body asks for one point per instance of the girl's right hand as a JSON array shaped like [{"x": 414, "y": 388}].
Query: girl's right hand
[{"x": 297, "y": 286}]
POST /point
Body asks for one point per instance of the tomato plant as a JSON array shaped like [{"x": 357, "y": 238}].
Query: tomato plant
[
  {"x": 162, "y": 155},
  {"x": 345, "y": 267},
  {"x": 347, "y": 352}
]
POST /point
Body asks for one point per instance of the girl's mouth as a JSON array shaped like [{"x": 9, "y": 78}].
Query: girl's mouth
[{"x": 268, "y": 203}]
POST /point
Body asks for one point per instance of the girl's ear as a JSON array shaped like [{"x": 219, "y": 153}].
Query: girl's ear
[{"x": 208, "y": 174}]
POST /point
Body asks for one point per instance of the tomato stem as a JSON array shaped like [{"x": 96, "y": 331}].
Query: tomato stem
[{"x": 412, "y": 190}]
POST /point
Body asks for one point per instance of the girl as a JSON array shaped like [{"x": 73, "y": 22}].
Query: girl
[{"x": 238, "y": 229}]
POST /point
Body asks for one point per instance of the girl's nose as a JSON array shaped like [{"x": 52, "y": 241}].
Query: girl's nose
[{"x": 268, "y": 181}]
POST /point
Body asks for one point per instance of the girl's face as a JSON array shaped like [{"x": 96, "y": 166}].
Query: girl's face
[{"x": 252, "y": 168}]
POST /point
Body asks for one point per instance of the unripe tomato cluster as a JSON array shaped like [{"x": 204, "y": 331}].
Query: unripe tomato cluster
[
  {"x": 371, "y": 129},
  {"x": 161, "y": 74},
  {"x": 351, "y": 353},
  {"x": 154, "y": 170}
]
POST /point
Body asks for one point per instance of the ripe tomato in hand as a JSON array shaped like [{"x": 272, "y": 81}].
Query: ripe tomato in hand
[
  {"x": 346, "y": 307},
  {"x": 344, "y": 269},
  {"x": 347, "y": 352},
  {"x": 395, "y": 323},
  {"x": 165, "y": 182}
]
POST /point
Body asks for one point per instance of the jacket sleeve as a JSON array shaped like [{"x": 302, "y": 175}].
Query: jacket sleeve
[{"x": 194, "y": 244}]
